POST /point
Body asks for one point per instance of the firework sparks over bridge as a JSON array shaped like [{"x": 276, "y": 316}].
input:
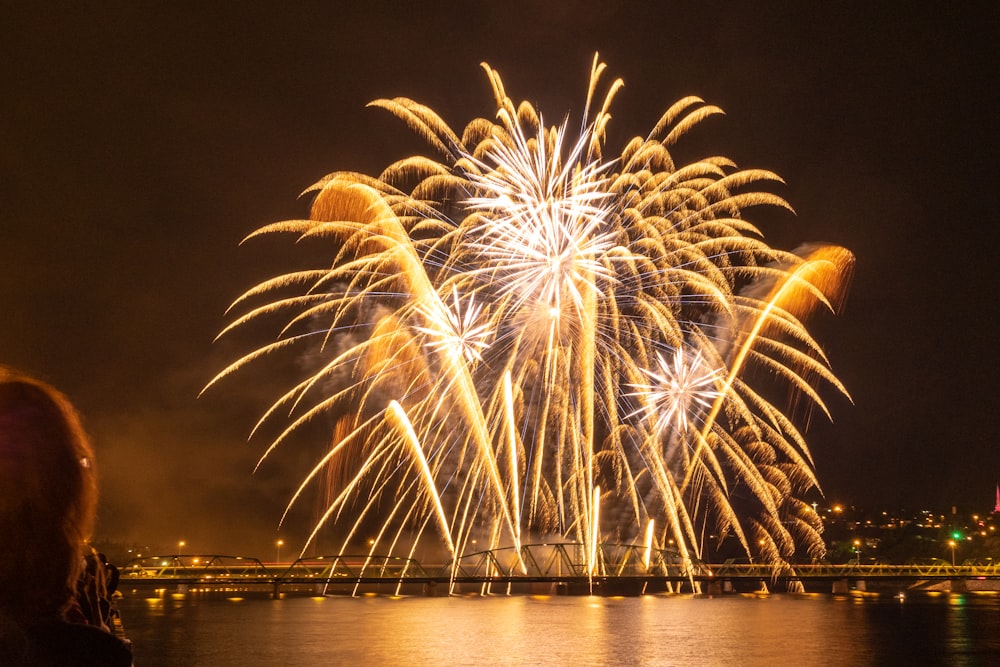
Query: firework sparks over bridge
[{"x": 526, "y": 337}]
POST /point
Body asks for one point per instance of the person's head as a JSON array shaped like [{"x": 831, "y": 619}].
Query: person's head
[{"x": 48, "y": 496}]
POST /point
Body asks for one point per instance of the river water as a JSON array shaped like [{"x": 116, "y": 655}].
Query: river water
[{"x": 778, "y": 630}]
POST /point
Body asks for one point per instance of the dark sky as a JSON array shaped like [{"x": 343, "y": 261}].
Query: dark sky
[{"x": 139, "y": 142}]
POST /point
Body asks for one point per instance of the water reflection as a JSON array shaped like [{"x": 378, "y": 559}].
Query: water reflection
[{"x": 557, "y": 630}]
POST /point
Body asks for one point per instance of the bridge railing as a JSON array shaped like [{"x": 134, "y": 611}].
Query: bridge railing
[
  {"x": 563, "y": 560},
  {"x": 196, "y": 567},
  {"x": 933, "y": 570},
  {"x": 553, "y": 561},
  {"x": 352, "y": 567}
]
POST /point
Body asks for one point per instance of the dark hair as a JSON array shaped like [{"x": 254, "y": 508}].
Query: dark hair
[{"x": 48, "y": 497}]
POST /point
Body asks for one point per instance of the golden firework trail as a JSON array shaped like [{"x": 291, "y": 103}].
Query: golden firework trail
[{"x": 521, "y": 337}]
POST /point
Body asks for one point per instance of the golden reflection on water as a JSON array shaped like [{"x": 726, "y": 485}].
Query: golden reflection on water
[{"x": 540, "y": 630}]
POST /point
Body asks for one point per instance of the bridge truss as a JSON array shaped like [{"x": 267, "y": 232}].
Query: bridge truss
[{"x": 617, "y": 567}]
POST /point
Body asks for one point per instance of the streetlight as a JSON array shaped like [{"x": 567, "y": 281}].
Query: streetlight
[
  {"x": 180, "y": 546},
  {"x": 951, "y": 543},
  {"x": 857, "y": 550},
  {"x": 278, "y": 544}
]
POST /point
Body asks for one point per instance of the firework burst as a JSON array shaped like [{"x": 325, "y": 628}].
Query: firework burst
[
  {"x": 523, "y": 338},
  {"x": 677, "y": 389}
]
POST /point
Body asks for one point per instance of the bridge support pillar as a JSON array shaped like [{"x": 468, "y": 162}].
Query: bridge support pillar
[
  {"x": 727, "y": 585},
  {"x": 430, "y": 589},
  {"x": 860, "y": 585},
  {"x": 543, "y": 588},
  {"x": 840, "y": 586},
  {"x": 958, "y": 586},
  {"x": 714, "y": 588},
  {"x": 182, "y": 589}
]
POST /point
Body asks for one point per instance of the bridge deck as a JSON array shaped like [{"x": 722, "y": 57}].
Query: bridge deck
[{"x": 532, "y": 564}]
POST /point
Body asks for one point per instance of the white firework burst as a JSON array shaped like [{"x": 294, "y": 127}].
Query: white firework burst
[
  {"x": 457, "y": 330},
  {"x": 544, "y": 217},
  {"x": 678, "y": 388}
]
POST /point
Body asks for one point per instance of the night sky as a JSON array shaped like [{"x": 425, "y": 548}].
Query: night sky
[{"x": 139, "y": 144}]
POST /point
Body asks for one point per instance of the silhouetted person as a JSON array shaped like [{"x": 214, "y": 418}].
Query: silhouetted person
[{"x": 48, "y": 498}]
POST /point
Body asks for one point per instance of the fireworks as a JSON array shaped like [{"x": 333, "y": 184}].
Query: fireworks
[
  {"x": 522, "y": 338},
  {"x": 679, "y": 388}
]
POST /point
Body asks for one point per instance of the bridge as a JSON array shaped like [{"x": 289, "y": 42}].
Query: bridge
[{"x": 558, "y": 567}]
